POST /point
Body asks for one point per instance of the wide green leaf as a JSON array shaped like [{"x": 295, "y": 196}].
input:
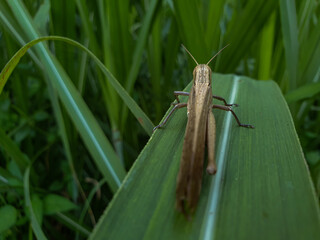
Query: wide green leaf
[
  {"x": 54, "y": 203},
  {"x": 8, "y": 215},
  {"x": 13, "y": 151},
  {"x": 262, "y": 189}
]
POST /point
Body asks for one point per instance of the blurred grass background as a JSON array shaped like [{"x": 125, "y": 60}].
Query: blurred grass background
[{"x": 139, "y": 42}]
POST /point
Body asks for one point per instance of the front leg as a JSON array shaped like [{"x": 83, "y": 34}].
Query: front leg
[
  {"x": 178, "y": 105},
  {"x": 177, "y": 94}
]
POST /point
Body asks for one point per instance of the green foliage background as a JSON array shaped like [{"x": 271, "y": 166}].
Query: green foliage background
[{"x": 139, "y": 43}]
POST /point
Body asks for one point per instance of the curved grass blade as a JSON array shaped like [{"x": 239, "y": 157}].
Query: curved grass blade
[
  {"x": 13, "y": 151},
  {"x": 8, "y": 215},
  {"x": 34, "y": 222},
  {"x": 132, "y": 105},
  {"x": 306, "y": 91},
  {"x": 72, "y": 224},
  {"x": 92, "y": 134},
  {"x": 93, "y": 137}
]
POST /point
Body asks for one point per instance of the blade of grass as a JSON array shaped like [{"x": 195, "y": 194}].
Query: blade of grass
[
  {"x": 170, "y": 53},
  {"x": 138, "y": 51},
  {"x": 310, "y": 57},
  {"x": 82, "y": 75},
  {"x": 266, "y": 49},
  {"x": 41, "y": 16},
  {"x": 72, "y": 224},
  {"x": 65, "y": 141},
  {"x": 111, "y": 55},
  {"x": 14, "y": 30},
  {"x": 306, "y": 11},
  {"x": 141, "y": 41},
  {"x": 289, "y": 28},
  {"x": 305, "y": 91},
  {"x": 63, "y": 25},
  {"x": 109, "y": 95},
  {"x": 34, "y": 222},
  {"x": 189, "y": 24},
  {"x": 242, "y": 32},
  {"x": 213, "y": 23},
  {"x": 118, "y": 18},
  {"x": 87, "y": 25},
  {"x": 115, "y": 18},
  {"x": 91, "y": 195},
  {"x": 13, "y": 151},
  {"x": 154, "y": 63}
]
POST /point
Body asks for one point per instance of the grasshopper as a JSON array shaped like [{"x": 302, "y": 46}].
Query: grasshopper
[{"x": 201, "y": 129}]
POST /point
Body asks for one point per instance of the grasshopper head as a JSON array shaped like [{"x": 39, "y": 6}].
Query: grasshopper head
[{"x": 202, "y": 74}]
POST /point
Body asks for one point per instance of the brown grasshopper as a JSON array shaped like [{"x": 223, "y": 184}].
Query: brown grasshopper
[{"x": 201, "y": 129}]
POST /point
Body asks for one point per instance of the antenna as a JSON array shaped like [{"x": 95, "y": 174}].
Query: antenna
[
  {"x": 190, "y": 54},
  {"x": 216, "y": 53}
]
